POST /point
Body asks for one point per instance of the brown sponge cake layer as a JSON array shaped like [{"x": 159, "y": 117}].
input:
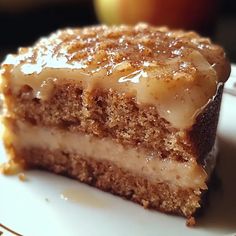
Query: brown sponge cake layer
[
  {"x": 110, "y": 114},
  {"x": 132, "y": 110},
  {"x": 108, "y": 177}
]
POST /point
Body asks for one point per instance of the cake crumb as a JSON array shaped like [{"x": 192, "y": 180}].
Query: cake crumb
[
  {"x": 22, "y": 177},
  {"x": 145, "y": 203},
  {"x": 10, "y": 168},
  {"x": 190, "y": 222}
]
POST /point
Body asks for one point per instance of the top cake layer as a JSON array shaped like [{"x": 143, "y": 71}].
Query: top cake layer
[{"x": 176, "y": 71}]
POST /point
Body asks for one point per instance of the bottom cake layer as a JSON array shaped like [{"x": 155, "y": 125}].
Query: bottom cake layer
[{"x": 109, "y": 177}]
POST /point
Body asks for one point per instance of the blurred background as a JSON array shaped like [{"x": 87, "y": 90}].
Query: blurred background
[{"x": 24, "y": 21}]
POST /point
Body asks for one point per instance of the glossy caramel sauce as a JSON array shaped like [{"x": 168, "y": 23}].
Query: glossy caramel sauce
[{"x": 175, "y": 71}]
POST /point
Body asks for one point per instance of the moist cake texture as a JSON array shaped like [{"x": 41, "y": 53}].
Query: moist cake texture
[{"x": 130, "y": 110}]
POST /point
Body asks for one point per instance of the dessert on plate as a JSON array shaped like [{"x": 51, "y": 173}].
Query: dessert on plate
[{"x": 131, "y": 110}]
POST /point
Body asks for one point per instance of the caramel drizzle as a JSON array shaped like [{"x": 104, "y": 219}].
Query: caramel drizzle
[{"x": 9, "y": 230}]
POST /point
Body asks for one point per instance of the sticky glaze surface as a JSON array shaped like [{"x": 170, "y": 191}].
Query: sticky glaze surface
[{"x": 175, "y": 71}]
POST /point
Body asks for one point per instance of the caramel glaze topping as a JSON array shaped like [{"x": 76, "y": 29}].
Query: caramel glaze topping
[
  {"x": 105, "y": 47},
  {"x": 164, "y": 68}
]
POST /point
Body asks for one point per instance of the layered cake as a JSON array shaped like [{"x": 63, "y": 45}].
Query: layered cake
[{"x": 131, "y": 110}]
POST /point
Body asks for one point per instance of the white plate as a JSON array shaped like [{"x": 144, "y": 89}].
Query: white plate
[{"x": 48, "y": 205}]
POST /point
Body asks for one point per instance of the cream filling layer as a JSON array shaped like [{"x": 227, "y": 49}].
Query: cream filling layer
[{"x": 184, "y": 174}]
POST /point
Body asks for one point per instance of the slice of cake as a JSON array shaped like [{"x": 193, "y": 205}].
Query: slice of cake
[{"x": 129, "y": 110}]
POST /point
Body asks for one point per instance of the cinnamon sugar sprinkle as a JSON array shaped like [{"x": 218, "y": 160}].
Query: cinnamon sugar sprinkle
[{"x": 104, "y": 48}]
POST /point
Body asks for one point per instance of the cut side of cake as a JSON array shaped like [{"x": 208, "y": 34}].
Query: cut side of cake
[{"x": 131, "y": 110}]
